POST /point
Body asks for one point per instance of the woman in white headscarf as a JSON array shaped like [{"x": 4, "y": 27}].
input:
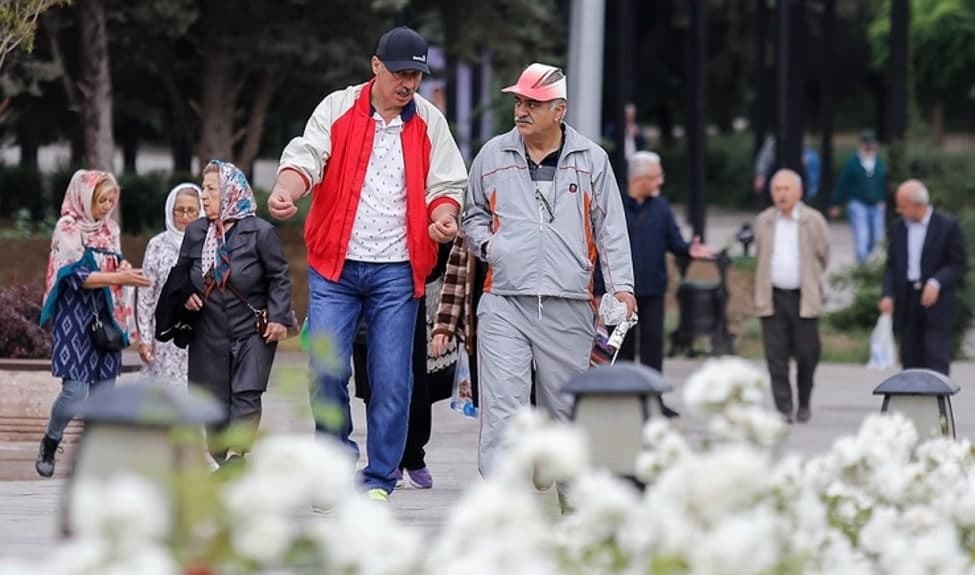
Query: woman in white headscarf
[{"x": 163, "y": 359}]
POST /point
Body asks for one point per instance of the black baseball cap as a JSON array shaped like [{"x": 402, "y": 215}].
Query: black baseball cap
[{"x": 401, "y": 49}]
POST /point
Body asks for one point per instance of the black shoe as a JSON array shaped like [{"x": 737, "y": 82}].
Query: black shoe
[
  {"x": 45, "y": 456},
  {"x": 786, "y": 417},
  {"x": 803, "y": 414},
  {"x": 667, "y": 412}
]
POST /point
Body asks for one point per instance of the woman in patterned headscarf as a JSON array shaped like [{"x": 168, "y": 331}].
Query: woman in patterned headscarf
[
  {"x": 238, "y": 270},
  {"x": 163, "y": 359},
  {"x": 87, "y": 277}
]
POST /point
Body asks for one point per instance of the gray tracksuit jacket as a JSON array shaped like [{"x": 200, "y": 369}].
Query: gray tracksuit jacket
[{"x": 531, "y": 253}]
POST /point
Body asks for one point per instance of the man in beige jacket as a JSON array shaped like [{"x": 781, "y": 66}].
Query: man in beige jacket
[{"x": 792, "y": 248}]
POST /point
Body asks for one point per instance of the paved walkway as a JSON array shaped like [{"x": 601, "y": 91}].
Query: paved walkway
[{"x": 28, "y": 509}]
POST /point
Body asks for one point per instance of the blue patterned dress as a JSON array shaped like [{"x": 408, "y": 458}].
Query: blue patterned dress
[{"x": 73, "y": 355}]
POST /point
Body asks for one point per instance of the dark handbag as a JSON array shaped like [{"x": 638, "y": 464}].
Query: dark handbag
[
  {"x": 260, "y": 315},
  {"x": 105, "y": 336}
]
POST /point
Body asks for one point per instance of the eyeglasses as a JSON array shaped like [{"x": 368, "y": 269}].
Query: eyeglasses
[{"x": 186, "y": 211}]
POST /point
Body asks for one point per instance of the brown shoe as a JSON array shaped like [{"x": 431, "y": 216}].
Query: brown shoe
[{"x": 803, "y": 414}]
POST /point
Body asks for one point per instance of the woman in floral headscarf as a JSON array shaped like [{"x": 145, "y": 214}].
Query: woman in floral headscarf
[
  {"x": 87, "y": 277},
  {"x": 163, "y": 359},
  {"x": 238, "y": 270}
]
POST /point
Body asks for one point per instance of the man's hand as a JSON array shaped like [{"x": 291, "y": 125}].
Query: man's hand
[
  {"x": 834, "y": 212},
  {"x": 287, "y": 188},
  {"x": 886, "y": 305},
  {"x": 443, "y": 227},
  {"x": 629, "y": 300},
  {"x": 759, "y": 184},
  {"x": 929, "y": 296},
  {"x": 700, "y": 251}
]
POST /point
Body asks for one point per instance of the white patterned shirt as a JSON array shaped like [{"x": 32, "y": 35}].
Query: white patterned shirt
[{"x": 379, "y": 231}]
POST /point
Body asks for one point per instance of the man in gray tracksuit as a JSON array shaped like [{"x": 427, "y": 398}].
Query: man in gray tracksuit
[{"x": 542, "y": 203}]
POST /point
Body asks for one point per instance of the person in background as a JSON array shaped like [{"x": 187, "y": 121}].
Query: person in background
[
  {"x": 861, "y": 186},
  {"x": 792, "y": 253},
  {"x": 653, "y": 232},
  {"x": 237, "y": 267},
  {"x": 164, "y": 360},
  {"x": 87, "y": 278},
  {"x": 925, "y": 264}
]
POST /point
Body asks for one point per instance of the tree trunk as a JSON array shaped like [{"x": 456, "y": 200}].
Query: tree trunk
[
  {"x": 219, "y": 100},
  {"x": 255, "y": 122},
  {"x": 938, "y": 122},
  {"x": 27, "y": 139},
  {"x": 130, "y": 152},
  {"x": 96, "y": 87}
]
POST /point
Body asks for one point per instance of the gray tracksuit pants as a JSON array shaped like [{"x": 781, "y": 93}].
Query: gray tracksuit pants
[{"x": 512, "y": 331}]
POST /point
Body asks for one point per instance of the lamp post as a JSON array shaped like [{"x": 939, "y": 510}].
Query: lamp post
[
  {"x": 745, "y": 236},
  {"x": 611, "y": 404},
  {"x": 924, "y": 397},
  {"x": 147, "y": 428}
]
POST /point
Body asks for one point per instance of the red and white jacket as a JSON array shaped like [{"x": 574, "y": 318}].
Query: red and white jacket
[{"x": 332, "y": 157}]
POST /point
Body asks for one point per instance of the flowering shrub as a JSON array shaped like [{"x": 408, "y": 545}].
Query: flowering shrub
[
  {"x": 20, "y": 335},
  {"x": 877, "y": 503}
]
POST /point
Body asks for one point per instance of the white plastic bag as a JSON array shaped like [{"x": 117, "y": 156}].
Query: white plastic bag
[
  {"x": 883, "y": 350},
  {"x": 462, "y": 398}
]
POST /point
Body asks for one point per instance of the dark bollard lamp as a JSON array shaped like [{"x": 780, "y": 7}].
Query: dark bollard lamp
[
  {"x": 612, "y": 404},
  {"x": 147, "y": 428},
  {"x": 745, "y": 236},
  {"x": 924, "y": 397}
]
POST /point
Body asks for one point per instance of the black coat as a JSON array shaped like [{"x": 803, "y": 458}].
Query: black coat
[
  {"x": 226, "y": 349},
  {"x": 942, "y": 258}
]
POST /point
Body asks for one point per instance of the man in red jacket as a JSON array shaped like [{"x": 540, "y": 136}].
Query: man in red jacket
[{"x": 387, "y": 183}]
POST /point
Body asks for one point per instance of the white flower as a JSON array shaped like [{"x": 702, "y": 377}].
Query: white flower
[
  {"x": 664, "y": 448},
  {"x": 725, "y": 381},
  {"x": 362, "y": 536},
  {"x": 125, "y": 509},
  {"x": 744, "y": 544},
  {"x": 263, "y": 539},
  {"x": 602, "y": 506},
  {"x": 497, "y": 527},
  {"x": 312, "y": 469},
  {"x": 749, "y": 423},
  {"x": 544, "y": 451},
  {"x": 718, "y": 483}
]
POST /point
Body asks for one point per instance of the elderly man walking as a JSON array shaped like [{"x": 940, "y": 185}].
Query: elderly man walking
[
  {"x": 542, "y": 202},
  {"x": 926, "y": 262},
  {"x": 792, "y": 250},
  {"x": 388, "y": 183}
]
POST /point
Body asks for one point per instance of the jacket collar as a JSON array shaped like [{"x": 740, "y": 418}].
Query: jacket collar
[{"x": 364, "y": 103}]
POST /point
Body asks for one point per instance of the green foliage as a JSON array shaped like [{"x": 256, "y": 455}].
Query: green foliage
[
  {"x": 18, "y": 23},
  {"x": 942, "y": 48},
  {"x": 866, "y": 283},
  {"x": 22, "y": 189},
  {"x": 728, "y": 170}
]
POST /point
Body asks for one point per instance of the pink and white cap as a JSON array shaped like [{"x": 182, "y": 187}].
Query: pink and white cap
[{"x": 539, "y": 82}]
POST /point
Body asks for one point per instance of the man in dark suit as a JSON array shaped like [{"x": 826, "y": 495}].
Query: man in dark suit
[{"x": 925, "y": 263}]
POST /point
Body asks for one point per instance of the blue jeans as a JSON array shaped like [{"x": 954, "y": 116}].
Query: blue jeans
[
  {"x": 867, "y": 223},
  {"x": 382, "y": 294},
  {"x": 67, "y": 402}
]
